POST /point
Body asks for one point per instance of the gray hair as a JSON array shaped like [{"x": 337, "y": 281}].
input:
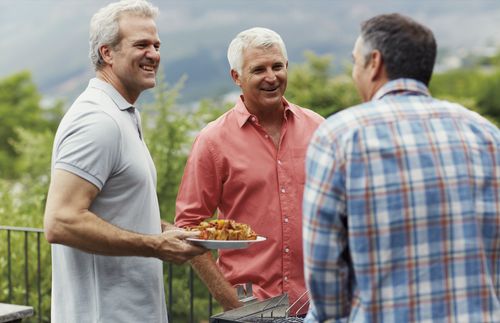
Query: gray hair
[
  {"x": 105, "y": 29},
  {"x": 256, "y": 37},
  {"x": 408, "y": 48}
]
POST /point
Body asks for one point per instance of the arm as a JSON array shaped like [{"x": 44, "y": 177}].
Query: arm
[
  {"x": 68, "y": 221},
  {"x": 326, "y": 262},
  {"x": 218, "y": 286},
  {"x": 199, "y": 194}
]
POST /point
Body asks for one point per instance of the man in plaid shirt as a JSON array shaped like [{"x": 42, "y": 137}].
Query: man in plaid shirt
[{"x": 402, "y": 197}]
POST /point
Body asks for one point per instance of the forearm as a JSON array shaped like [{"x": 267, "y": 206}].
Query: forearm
[
  {"x": 69, "y": 221},
  {"x": 215, "y": 281},
  {"x": 88, "y": 232}
]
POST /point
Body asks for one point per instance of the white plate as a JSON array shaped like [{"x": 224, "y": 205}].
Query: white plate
[{"x": 225, "y": 244}]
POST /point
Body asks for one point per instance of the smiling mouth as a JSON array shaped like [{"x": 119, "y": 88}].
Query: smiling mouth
[
  {"x": 147, "y": 68},
  {"x": 271, "y": 89}
]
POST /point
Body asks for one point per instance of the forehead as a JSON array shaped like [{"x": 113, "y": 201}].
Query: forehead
[
  {"x": 262, "y": 55},
  {"x": 357, "y": 45},
  {"x": 137, "y": 27}
]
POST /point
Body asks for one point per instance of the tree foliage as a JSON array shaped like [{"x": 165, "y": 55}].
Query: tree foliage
[
  {"x": 20, "y": 108},
  {"x": 312, "y": 85},
  {"x": 25, "y": 150},
  {"x": 474, "y": 88}
]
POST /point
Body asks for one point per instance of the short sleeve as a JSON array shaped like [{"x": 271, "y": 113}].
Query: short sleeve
[{"x": 89, "y": 147}]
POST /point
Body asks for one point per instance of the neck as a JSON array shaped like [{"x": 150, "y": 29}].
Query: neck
[
  {"x": 110, "y": 78},
  {"x": 376, "y": 85},
  {"x": 267, "y": 115}
]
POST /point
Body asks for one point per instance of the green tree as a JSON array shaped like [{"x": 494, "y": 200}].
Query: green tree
[
  {"x": 20, "y": 108},
  {"x": 488, "y": 99},
  {"x": 22, "y": 205},
  {"x": 312, "y": 85},
  {"x": 472, "y": 87}
]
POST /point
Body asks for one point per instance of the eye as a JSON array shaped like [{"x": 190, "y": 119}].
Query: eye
[{"x": 278, "y": 67}]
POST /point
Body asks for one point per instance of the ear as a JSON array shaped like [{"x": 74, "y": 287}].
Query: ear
[
  {"x": 236, "y": 77},
  {"x": 106, "y": 54},
  {"x": 377, "y": 69}
]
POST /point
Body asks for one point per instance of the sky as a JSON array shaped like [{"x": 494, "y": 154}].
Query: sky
[{"x": 50, "y": 37}]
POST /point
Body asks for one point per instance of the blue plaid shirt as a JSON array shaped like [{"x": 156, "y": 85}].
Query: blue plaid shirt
[{"x": 402, "y": 212}]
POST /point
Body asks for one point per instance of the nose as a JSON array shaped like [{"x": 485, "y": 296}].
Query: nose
[
  {"x": 153, "y": 53},
  {"x": 270, "y": 75}
]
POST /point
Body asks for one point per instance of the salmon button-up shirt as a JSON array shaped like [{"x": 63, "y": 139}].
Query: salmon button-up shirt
[{"x": 234, "y": 168}]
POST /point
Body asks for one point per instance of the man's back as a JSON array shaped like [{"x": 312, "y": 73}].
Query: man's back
[{"x": 422, "y": 202}]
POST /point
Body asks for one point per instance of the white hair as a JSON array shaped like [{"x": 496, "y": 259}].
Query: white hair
[
  {"x": 256, "y": 37},
  {"x": 105, "y": 29}
]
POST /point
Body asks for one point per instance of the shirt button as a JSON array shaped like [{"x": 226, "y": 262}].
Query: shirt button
[
  {"x": 283, "y": 190},
  {"x": 287, "y": 250},
  {"x": 279, "y": 162},
  {"x": 286, "y": 278},
  {"x": 286, "y": 220},
  {"x": 266, "y": 136},
  {"x": 253, "y": 119}
]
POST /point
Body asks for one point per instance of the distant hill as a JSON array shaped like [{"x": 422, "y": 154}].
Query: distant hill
[{"x": 49, "y": 37}]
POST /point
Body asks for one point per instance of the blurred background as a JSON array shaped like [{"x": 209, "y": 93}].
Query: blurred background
[{"x": 50, "y": 37}]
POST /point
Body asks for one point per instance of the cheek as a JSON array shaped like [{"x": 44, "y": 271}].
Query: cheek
[{"x": 354, "y": 73}]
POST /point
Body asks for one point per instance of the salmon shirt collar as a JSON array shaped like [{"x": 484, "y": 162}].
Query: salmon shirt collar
[{"x": 243, "y": 115}]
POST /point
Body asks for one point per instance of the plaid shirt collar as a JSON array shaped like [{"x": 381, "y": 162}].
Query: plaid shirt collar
[{"x": 402, "y": 86}]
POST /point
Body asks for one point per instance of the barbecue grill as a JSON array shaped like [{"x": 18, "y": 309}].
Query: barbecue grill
[{"x": 275, "y": 309}]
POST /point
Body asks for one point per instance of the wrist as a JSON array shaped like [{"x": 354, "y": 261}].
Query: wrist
[{"x": 152, "y": 245}]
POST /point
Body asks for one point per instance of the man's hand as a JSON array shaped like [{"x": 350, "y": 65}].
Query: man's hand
[{"x": 173, "y": 246}]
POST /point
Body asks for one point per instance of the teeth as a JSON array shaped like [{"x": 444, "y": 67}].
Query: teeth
[{"x": 148, "y": 68}]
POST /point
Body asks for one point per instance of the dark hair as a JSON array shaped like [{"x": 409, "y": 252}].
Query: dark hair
[{"x": 408, "y": 48}]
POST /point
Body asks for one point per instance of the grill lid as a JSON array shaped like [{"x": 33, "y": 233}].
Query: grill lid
[{"x": 275, "y": 307}]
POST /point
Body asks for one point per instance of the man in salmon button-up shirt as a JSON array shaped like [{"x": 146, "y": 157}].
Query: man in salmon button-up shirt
[{"x": 249, "y": 166}]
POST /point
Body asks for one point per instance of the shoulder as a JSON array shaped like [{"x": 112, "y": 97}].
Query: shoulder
[
  {"x": 86, "y": 123},
  {"x": 470, "y": 117},
  {"x": 90, "y": 115},
  {"x": 225, "y": 124},
  {"x": 306, "y": 113},
  {"x": 343, "y": 125}
]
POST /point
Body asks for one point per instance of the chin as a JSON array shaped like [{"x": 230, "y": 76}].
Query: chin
[{"x": 149, "y": 84}]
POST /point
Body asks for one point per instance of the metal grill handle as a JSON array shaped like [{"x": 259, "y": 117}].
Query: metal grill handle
[{"x": 294, "y": 303}]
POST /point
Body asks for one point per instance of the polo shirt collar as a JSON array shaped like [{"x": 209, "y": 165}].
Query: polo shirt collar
[
  {"x": 242, "y": 114},
  {"x": 402, "y": 86},
  {"x": 107, "y": 88}
]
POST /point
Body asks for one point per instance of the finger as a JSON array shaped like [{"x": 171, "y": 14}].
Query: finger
[
  {"x": 188, "y": 234},
  {"x": 167, "y": 226}
]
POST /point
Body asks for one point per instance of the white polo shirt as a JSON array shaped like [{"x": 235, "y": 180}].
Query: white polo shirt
[{"x": 99, "y": 141}]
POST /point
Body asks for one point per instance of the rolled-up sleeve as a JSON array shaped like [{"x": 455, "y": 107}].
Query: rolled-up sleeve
[{"x": 201, "y": 185}]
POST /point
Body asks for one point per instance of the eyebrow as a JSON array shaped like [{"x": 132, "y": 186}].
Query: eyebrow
[{"x": 144, "y": 40}]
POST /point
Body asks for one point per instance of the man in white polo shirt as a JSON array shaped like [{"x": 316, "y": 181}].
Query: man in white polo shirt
[{"x": 102, "y": 214}]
